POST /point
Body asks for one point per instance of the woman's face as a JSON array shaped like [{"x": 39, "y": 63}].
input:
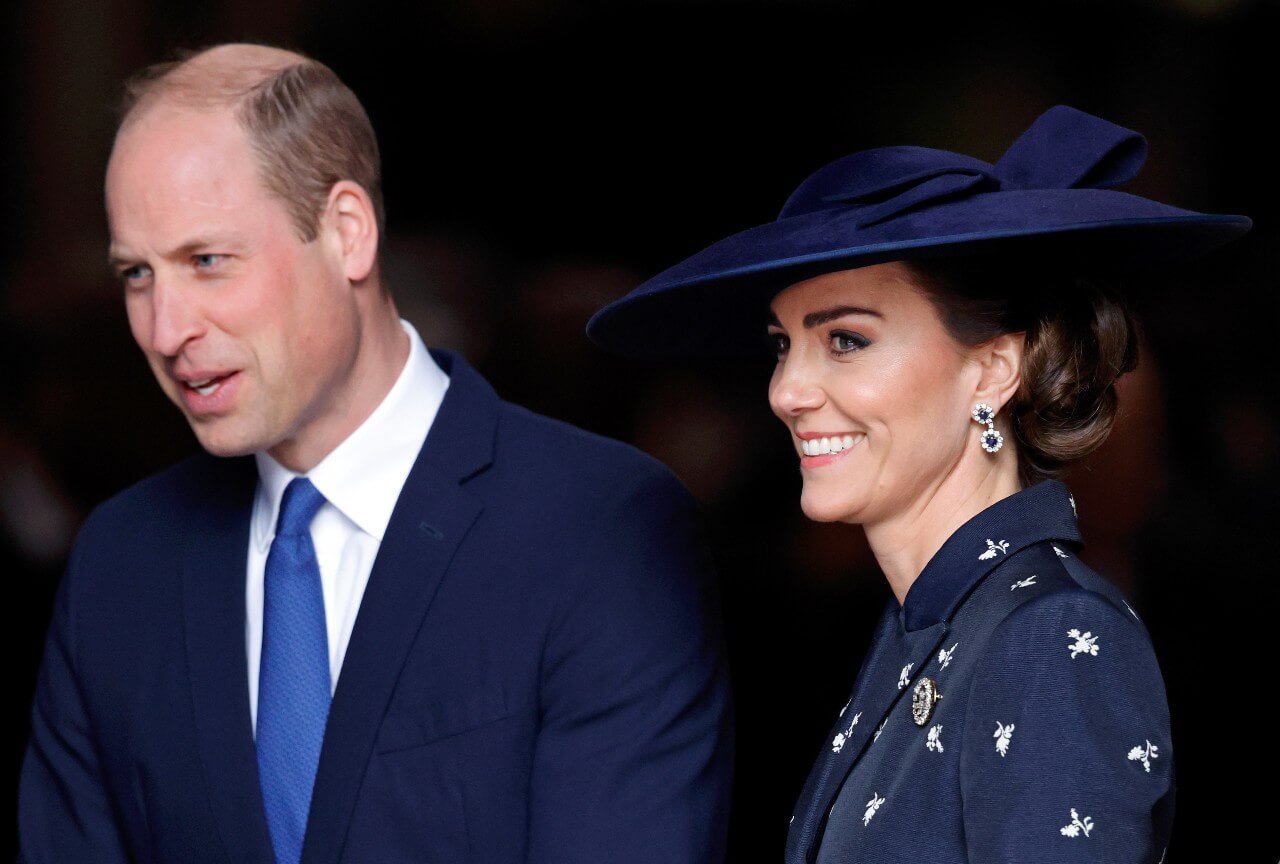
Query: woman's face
[{"x": 866, "y": 366}]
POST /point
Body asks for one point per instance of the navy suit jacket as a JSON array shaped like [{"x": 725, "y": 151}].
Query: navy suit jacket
[
  {"x": 534, "y": 675},
  {"x": 1051, "y": 741}
]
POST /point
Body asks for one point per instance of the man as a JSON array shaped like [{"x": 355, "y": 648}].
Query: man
[{"x": 416, "y": 623}]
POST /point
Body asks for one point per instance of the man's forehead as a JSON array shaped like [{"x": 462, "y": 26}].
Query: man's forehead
[
  {"x": 171, "y": 144},
  {"x": 176, "y": 120},
  {"x": 179, "y": 173}
]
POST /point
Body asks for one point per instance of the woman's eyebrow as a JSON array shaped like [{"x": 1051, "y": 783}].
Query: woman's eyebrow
[{"x": 822, "y": 316}]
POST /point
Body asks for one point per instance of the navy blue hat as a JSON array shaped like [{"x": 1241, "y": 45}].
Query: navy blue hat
[{"x": 1049, "y": 195}]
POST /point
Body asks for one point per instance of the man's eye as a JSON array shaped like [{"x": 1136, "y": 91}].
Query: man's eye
[
  {"x": 844, "y": 343},
  {"x": 135, "y": 274},
  {"x": 206, "y": 260},
  {"x": 778, "y": 342}
]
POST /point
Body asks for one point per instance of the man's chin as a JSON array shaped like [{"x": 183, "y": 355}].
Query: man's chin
[{"x": 224, "y": 443}]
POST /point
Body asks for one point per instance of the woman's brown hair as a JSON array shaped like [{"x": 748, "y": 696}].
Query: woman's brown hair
[{"x": 1080, "y": 338}]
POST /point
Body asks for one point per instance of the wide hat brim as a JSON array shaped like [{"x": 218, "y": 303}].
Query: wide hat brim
[{"x": 948, "y": 205}]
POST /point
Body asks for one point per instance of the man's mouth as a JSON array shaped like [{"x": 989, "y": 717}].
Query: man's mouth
[{"x": 207, "y": 385}]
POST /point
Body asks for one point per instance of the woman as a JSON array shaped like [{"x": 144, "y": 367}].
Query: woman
[{"x": 940, "y": 359}]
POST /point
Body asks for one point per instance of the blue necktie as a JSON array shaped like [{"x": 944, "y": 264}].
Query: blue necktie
[{"x": 293, "y": 678}]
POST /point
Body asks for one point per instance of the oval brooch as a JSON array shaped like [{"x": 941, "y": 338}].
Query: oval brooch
[{"x": 923, "y": 700}]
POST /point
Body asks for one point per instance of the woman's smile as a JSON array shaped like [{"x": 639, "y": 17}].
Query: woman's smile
[{"x": 823, "y": 448}]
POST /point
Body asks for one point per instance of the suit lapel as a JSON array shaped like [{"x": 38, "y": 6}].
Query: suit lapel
[
  {"x": 432, "y": 516},
  {"x": 213, "y": 587},
  {"x": 875, "y": 694}
]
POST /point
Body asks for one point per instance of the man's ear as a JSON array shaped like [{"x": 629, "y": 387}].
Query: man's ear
[
  {"x": 1000, "y": 361},
  {"x": 352, "y": 219}
]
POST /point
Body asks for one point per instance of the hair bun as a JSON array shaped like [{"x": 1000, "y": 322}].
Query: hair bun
[
  {"x": 1080, "y": 338},
  {"x": 1075, "y": 352}
]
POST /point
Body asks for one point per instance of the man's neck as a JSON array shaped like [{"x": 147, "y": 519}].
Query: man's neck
[{"x": 380, "y": 358}]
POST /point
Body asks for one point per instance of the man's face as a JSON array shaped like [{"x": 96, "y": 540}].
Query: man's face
[{"x": 250, "y": 331}]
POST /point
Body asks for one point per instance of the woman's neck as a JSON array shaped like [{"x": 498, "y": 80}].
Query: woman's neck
[{"x": 904, "y": 542}]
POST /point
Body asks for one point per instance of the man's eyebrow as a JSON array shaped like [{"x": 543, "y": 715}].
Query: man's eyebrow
[
  {"x": 822, "y": 316},
  {"x": 116, "y": 257}
]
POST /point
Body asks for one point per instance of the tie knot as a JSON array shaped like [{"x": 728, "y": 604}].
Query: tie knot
[{"x": 298, "y": 506}]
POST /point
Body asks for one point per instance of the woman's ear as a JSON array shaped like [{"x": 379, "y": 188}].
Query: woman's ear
[{"x": 1001, "y": 363}]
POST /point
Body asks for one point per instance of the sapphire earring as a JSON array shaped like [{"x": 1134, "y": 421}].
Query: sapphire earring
[{"x": 991, "y": 440}]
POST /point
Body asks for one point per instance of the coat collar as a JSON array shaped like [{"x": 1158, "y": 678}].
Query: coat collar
[
  {"x": 906, "y": 642},
  {"x": 1045, "y": 511}
]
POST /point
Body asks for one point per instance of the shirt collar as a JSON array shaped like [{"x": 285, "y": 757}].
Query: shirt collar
[
  {"x": 362, "y": 477},
  {"x": 1045, "y": 511}
]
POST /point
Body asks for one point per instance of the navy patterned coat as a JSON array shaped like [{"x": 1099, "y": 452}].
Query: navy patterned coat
[{"x": 1050, "y": 742}]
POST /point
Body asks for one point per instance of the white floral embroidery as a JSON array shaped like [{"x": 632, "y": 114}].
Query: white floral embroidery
[
  {"x": 935, "y": 739},
  {"x": 1077, "y": 825},
  {"x": 1072, "y": 499},
  {"x": 993, "y": 549},
  {"x": 876, "y": 737},
  {"x": 1086, "y": 643},
  {"x": 1023, "y": 583},
  {"x": 944, "y": 656},
  {"x": 846, "y": 707},
  {"x": 872, "y": 806},
  {"x": 1003, "y": 735},
  {"x": 837, "y": 743},
  {"x": 1144, "y": 755},
  {"x": 1059, "y": 552},
  {"x": 904, "y": 677}
]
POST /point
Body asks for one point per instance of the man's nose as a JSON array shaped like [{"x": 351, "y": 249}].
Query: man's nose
[{"x": 175, "y": 319}]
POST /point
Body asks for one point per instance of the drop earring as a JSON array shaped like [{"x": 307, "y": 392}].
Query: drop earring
[{"x": 991, "y": 440}]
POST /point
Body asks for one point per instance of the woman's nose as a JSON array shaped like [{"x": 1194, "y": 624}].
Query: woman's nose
[{"x": 794, "y": 389}]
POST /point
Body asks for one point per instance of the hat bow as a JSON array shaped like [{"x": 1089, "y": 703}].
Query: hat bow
[{"x": 1063, "y": 149}]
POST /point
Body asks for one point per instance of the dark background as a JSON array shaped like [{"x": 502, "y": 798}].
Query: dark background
[{"x": 544, "y": 156}]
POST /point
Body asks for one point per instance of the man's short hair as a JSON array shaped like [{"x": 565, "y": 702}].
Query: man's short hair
[{"x": 307, "y": 128}]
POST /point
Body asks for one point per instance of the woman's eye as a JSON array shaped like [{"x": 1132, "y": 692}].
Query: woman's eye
[
  {"x": 778, "y": 342},
  {"x": 843, "y": 343}
]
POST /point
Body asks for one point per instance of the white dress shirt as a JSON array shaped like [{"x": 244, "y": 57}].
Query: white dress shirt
[{"x": 360, "y": 481}]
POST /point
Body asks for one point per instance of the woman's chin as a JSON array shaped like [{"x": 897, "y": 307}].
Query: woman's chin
[{"x": 827, "y": 508}]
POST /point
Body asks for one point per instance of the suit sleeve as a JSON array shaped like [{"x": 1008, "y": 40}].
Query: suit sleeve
[
  {"x": 64, "y": 811},
  {"x": 633, "y": 757},
  {"x": 1066, "y": 754}
]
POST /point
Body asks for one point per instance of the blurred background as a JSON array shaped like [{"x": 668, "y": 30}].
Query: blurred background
[{"x": 544, "y": 156}]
